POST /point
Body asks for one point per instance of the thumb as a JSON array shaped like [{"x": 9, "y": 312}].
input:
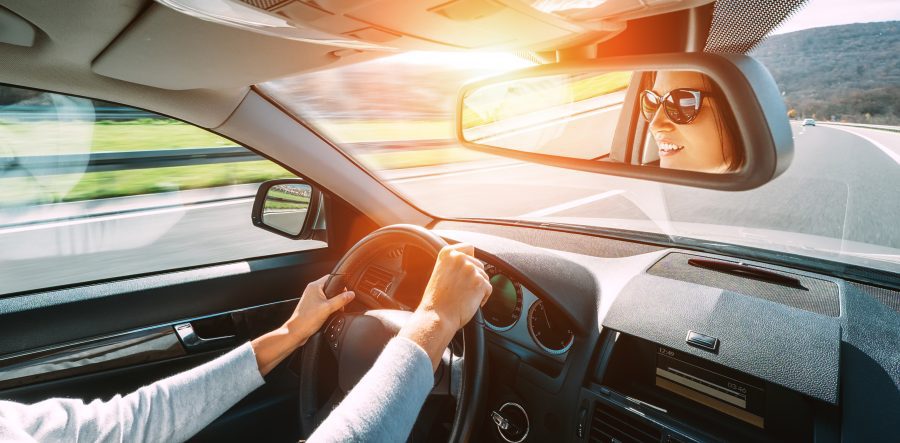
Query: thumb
[{"x": 339, "y": 301}]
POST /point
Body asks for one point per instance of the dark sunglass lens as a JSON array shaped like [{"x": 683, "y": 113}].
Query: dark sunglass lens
[
  {"x": 649, "y": 104},
  {"x": 682, "y": 106}
]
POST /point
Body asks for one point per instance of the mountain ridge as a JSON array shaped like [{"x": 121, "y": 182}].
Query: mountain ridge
[{"x": 843, "y": 72}]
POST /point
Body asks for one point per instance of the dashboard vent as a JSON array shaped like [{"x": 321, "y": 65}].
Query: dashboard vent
[
  {"x": 813, "y": 294},
  {"x": 375, "y": 278},
  {"x": 609, "y": 424}
]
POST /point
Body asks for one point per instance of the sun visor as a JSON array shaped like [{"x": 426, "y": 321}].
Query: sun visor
[{"x": 187, "y": 53}]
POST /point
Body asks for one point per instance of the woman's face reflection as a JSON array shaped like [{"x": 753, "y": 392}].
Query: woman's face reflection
[{"x": 701, "y": 145}]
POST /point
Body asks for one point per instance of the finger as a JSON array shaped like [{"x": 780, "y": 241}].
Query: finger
[
  {"x": 464, "y": 248},
  {"x": 474, "y": 261},
  {"x": 483, "y": 274},
  {"x": 340, "y": 300},
  {"x": 488, "y": 289},
  {"x": 321, "y": 281}
]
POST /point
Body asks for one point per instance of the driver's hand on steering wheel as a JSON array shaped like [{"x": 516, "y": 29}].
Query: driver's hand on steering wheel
[
  {"x": 457, "y": 288},
  {"x": 313, "y": 310},
  {"x": 310, "y": 314}
]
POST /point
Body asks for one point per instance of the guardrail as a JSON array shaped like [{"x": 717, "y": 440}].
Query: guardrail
[
  {"x": 43, "y": 112},
  {"x": 39, "y": 165},
  {"x": 867, "y": 126}
]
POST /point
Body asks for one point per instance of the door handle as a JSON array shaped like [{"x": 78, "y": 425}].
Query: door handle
[{"x": 193, "y": 342}]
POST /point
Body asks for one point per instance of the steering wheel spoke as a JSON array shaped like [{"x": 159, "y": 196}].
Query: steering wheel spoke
[{"x": 448, "y": 376}]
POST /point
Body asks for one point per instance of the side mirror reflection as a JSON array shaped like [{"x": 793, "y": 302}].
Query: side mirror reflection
[{"x": 283, "y": 206}]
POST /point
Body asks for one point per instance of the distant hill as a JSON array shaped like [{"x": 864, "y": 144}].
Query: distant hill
[{"x": 851, "y": 72}]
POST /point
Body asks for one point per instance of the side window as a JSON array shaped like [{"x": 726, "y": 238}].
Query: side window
[{"x": 91, "y": 190}]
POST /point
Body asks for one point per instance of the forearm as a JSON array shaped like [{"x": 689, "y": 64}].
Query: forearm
[
  {"x": 426, "y": 329},
  {"x": 172, "y": 409},
  {"x": 270, "y": 349}
]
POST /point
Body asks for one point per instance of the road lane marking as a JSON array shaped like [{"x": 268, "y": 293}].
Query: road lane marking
[
  {"x": 895, "y": 156},
  {"x": 103, "y": 218},
  {"x": 572, "y": 204}
]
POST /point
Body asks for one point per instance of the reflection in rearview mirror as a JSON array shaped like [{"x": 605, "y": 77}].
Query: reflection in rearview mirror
[
  {"x": 666, "y": 119},
  {"x": 285, "y": 207}
]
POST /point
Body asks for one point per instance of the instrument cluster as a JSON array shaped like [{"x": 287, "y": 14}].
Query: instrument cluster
[{"x": 546, "y": 326}]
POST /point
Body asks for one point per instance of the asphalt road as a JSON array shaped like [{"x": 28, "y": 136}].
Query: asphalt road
[{"x": 840, "y": 185}]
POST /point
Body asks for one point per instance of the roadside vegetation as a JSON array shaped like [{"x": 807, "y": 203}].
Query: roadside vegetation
[{"x": 537, "y": 95}]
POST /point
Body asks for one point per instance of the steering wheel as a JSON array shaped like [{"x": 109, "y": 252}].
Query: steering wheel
[{"x": 356, "y": 340}]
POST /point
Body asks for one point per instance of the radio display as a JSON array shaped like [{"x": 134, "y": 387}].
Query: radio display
[{"x": 680, "y": 374}]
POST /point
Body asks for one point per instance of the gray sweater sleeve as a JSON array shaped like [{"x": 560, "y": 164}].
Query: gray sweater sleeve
[
  {"x": 385, "y": 403},
  {"x": 172, "y": 409}
]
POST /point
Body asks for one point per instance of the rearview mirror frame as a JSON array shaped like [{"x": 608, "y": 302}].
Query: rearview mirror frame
[
  {"x": 309, "y": 222},
  {"x": 768, "y": 147}
]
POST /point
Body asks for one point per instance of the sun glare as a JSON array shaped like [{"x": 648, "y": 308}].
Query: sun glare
[{"x": 488, "y": 61}]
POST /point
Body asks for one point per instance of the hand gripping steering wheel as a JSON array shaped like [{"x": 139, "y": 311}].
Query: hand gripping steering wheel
[{"x": 357, "y": 339}]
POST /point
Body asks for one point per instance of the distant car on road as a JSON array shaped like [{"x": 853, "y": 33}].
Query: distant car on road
[{"x": 809, "y": 122}]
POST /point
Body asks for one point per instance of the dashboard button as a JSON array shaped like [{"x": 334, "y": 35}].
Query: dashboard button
[{"x": 702, "y": 341}]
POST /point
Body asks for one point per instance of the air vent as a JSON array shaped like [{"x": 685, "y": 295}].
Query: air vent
[
  {"x": 810, "y": 294},
  {"x": 375, "y": 278},
  {"x": 610, "y": 424}
]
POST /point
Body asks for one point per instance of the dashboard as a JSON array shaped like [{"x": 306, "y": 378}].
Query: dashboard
[{"x": 596, "y": 339}]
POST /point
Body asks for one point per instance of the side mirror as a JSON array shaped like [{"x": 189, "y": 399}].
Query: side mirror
[
  {"x": 286, "y": 207},
  {"x": 714, "y": 121}
]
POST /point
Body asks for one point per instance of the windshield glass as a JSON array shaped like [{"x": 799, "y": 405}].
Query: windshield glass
[{"x": 838, "y": 199}]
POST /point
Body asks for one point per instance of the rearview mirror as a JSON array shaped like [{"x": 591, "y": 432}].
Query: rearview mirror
[
  {"x": 286, "y": 207},
  {"x": 697, "y": 119}
]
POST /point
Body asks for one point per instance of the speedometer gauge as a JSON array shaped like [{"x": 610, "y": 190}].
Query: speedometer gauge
[
  {"x": 503, "y": 308},
  {"x": 550, "y": 328}
]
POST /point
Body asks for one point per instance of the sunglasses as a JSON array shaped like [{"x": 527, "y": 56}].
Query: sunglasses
[{"x": 681, "y": 105}]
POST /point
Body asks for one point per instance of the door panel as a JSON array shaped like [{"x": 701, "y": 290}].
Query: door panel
[
  {"x": 106, "y": 339},
  {"x": 36, "y": 320}
]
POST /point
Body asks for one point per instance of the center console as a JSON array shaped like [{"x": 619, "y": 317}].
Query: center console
[{"x": 641, "y": 391}]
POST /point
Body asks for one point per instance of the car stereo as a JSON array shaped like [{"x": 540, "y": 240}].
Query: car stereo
[
  {"x": 649, "y": 386},
  {"x": 734, "y": 396}
]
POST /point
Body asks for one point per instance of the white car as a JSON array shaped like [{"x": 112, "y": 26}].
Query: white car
[{"x": 809, "y": 122}]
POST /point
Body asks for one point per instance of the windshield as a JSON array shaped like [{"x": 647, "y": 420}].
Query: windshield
[{"x": 838, "y": 199}]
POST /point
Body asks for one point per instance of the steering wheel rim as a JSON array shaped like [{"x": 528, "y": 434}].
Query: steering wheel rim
[{"x": 470, "y": 400}]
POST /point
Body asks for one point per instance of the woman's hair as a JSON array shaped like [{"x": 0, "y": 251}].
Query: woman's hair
[{"x": 723, "y": 118}]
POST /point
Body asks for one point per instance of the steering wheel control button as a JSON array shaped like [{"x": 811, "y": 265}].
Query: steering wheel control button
[
  {"x": 511, "y": 421},
  {"x": 332, "y": 332},
  {"x": 702, "y": 341}
]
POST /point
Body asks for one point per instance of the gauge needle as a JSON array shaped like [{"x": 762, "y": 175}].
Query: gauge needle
[{"x": 547, "y": 318}]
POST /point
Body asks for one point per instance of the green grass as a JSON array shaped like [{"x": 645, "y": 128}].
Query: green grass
[
  {"x": 45, "y": 138},
  {"x": 107, "y": 136},
  {"x": 286, "y": 200},
  {"x": 95, "y": 185}
]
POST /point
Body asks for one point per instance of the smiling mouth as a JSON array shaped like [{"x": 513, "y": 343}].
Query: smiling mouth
[{"x": 666, "y": 148}]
